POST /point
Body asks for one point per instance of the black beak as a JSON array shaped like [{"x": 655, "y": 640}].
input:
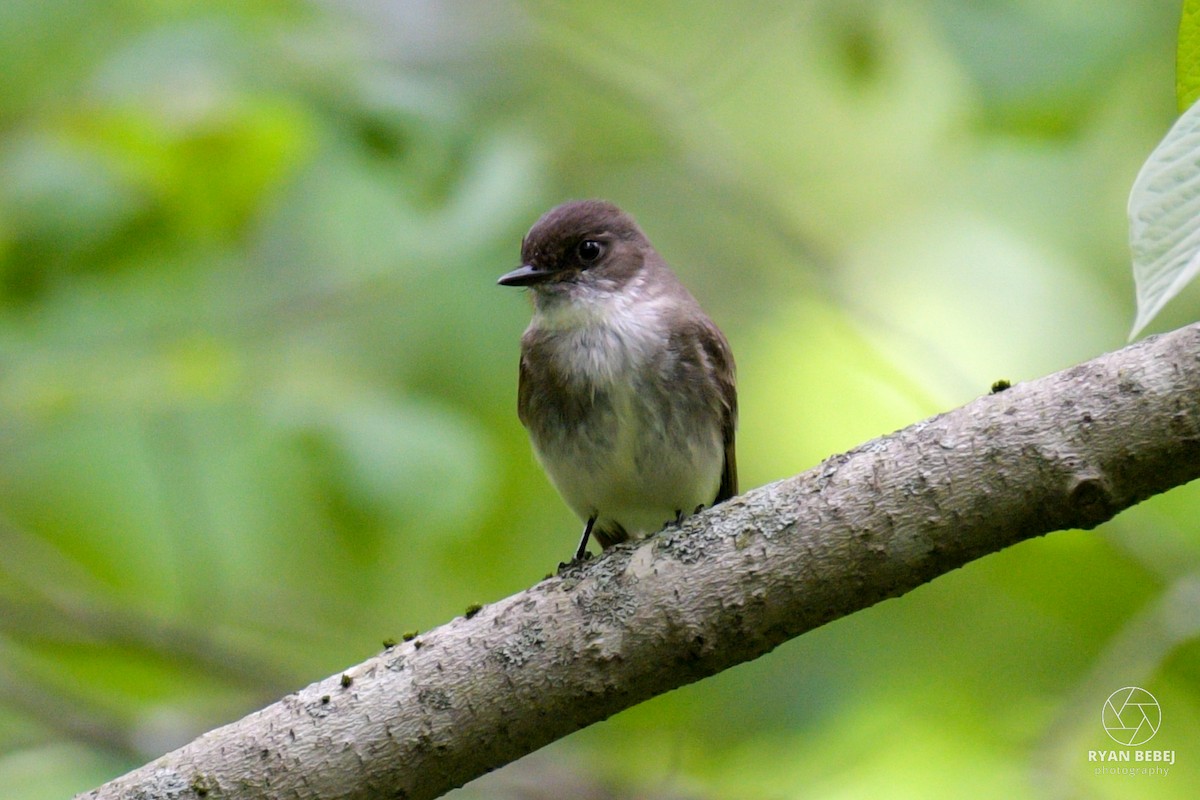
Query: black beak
[{"x": 525, "y": 275}]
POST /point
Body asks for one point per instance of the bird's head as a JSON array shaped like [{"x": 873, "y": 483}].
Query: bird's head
[{"x": 580, "y": 249}]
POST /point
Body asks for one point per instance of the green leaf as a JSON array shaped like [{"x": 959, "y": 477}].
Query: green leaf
[
  {"x": 1164, "y": 218},
  {"x": 1187, "y": 56}
]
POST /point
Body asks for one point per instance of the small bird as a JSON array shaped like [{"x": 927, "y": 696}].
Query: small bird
[{"x": 626, "y": 386}]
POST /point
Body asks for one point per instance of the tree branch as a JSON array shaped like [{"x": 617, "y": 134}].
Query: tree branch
[{"x": 1066, "y": 451}]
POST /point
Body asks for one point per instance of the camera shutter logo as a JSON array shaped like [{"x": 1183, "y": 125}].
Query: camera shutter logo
[{"x": 1131, "y": 716}]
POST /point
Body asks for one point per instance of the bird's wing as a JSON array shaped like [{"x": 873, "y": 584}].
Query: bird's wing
[{"x": 720, "y": 356}]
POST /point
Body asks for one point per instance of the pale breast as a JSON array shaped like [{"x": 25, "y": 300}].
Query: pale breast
[{"x": 621, "y": 433}]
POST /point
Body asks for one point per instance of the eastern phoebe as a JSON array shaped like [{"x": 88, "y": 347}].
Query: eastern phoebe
[{"x": 627, "y": 387}]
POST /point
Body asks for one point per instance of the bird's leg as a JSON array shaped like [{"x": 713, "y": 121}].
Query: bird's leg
[
  {"x": 581, "y": 551},
  {"x": 677, "y": 521}
]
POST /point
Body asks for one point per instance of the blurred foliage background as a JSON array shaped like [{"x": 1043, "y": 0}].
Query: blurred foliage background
[{"x": 257, "y": 384}]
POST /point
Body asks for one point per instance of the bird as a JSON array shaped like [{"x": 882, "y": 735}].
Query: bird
[{"x": 626, "y": 387}]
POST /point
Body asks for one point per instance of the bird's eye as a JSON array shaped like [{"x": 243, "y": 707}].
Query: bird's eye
[{"x": 589, "y": 250}]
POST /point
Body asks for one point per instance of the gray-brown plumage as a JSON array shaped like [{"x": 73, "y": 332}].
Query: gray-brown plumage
[{"x": 626, "y": 386}]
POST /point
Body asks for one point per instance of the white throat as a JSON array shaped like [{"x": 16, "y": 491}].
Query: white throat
[{"x": 601, "y": 337}]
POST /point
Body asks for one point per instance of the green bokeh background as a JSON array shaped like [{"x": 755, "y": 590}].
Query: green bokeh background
[{"x": 257, "y": 384}]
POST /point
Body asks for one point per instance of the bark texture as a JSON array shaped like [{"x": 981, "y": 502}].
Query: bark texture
[{"x": 1067, "y": 451}]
